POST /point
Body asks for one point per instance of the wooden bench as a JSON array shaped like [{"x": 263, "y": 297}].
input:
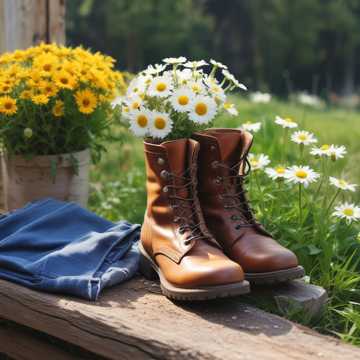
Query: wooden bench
[{"x": 134, "y": 321}]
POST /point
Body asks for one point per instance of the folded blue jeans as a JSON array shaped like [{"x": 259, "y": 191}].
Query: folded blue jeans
[{"x": 59, "y": 247}]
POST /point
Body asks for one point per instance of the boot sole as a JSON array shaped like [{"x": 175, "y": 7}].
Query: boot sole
[
  {"x": 274, "y": 277},
  {"x": 151, "y": 271}
]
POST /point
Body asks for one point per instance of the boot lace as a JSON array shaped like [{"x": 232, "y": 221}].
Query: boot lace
[
  {"x": 185, "y": 207},
  {"x": 234, "y": 195}
]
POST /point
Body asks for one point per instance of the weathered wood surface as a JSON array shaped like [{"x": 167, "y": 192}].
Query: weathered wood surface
[
  {"x": 134, "y": 321},
  {"x": 294, "y": 296},
  {"x": 28, "y": 22}
]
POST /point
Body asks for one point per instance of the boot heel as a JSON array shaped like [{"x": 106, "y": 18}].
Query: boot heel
[{"x": 146, "y": 268}]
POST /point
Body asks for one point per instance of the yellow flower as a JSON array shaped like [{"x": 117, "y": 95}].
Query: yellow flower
[
  {"x": 40, "y": 99},
  {"x": 64, "y": 80},
  {"x": 86, "y": 101},
  {"x": 5, "y": 88},
  {"x": 47, "y": 88},
  {"x": 46, "y": 63},
  {"x": 58, "y": 109},
  {"x": 8, "y": 105},
  {"x": 26, "y": 94}
]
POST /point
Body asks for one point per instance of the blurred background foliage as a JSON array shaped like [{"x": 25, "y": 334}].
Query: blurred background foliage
[{"x": 279, "y": 46}]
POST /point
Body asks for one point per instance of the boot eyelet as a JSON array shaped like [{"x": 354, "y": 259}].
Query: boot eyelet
[
  {"x": 160, "y": 161},
  {"x": 214, "y": 164},
  {"x": 212, "y": 147},
  {"x": 165, "y": 189},
  {"x": 218, "y": 180},
  {"x": 237, "y": 227},
  {"x": 181, "y": 231},
  {"x": 164, "y": 174}
]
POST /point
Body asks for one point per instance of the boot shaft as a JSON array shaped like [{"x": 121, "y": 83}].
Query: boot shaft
[{"x": 173, "y": 220}]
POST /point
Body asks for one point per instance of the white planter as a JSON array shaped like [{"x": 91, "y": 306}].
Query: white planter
[{"x": 28, "y": 180}]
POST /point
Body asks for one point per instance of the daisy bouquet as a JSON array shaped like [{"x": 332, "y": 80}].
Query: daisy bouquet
[
  {"x": 173, "y": 99},
  {"x": 56, "y": 99}
]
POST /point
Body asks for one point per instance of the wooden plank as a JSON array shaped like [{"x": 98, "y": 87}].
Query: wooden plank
[
  {"x": 134, "y": 321},
  {"x": 24, "y": 23},
  {"x": 18, "y": 342}
]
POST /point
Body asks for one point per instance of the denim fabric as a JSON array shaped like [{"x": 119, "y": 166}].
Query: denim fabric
[{"x": 59, "y": 247}]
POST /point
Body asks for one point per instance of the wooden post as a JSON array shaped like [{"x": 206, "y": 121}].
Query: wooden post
[{"x": 24, "y": 23}]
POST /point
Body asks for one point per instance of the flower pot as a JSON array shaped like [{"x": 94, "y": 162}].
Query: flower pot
[{"x": 26, "y": 180}]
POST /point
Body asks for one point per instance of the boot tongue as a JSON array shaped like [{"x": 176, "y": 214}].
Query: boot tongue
[{"x": 178, "y": 158}]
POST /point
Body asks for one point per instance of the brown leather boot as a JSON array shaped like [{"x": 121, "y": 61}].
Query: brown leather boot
[
  {"x": 175, "y": 242},
  {"x": 222, "y": 165}
]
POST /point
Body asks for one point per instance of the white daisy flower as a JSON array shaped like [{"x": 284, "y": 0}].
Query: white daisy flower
[
  {"x": 233, "y": 80},
  {"x": 133, "y": 102},
  {"x": 140, "y": 121},
  {"x": 251, "y": 127},
  {"x": 181, "y": 99},
  {"x": 342, "y": 184},
  {"x": 258, "y": 162},
  {"x": 336, "y": 152},
  {"x": 196, "y": 86},
  {"x": 286, "y": 122},
  {"x": 347, "y": 211},
  {"x": 161, "y": 86},
  {"x": 183, "y": 76},
  {"x": 215, "y": 89},
  {"x": 218, "y": 64},
  {"x": 303, "y": 137},
  {"x": 228, "y": 75},
  {"x": 195, "y": 64},
  {"x": 154, "y": 70},
  {"x": 160, "y": 125},
  {"x": 301, "y": 175},
  {"x": 276, "y": 173},
  {"x": 138, "y": 85},
  {"x": 231, "y": 109},
  {"x": 174, "y": 61},
  {"x": 203, "y": 109},
  {"x": 323, "y": 150}
]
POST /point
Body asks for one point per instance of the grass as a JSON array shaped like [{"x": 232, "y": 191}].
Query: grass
[{"x": 328, "y": 249}]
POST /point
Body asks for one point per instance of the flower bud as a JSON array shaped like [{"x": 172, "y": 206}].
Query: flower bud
[{"x": 28, "y": 133}]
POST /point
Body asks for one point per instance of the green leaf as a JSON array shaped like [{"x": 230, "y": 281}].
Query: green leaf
[{"x": 313, "y": 250}]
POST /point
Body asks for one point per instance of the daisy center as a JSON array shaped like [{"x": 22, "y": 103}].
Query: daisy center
[
  {"x": 348, "y": 212},
  {"x": 142, "y": 121},
  {"x": 254, "y": 163},
  {"x": 301, "y": 174},
  {"x": 289, "y": 120},
  {"x": 183, "y": 100},
  {"x": 161, "y": 87},
  {"x": 160, "y": 123},
  {"x": 342, "y": 182},
  {"x": 8, "y": 106},
  {"x": 86, "y": 102},
  {"x": 302, "y": 137},
  {"x": 325, "y": 147},
  {"x": 280, "y": 170},
  {"x": 135, "y": 105},
  {"x": 201, "y": 109}
]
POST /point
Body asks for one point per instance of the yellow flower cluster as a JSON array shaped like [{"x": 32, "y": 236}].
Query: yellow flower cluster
[{"x": 49, "y": 75}]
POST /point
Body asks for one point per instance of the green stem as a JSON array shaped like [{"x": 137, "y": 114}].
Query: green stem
[
  {"x": 283, "y": 154},
  {"x": 332, "y": 201},
  {"x": 300, "y": 205}
]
